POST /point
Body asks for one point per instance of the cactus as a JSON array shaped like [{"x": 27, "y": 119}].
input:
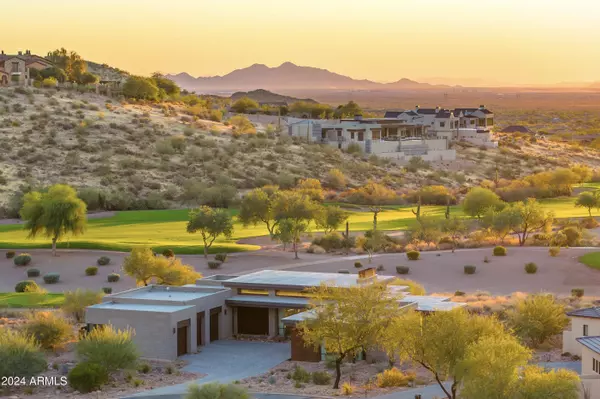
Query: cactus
[
  {"x": 447, "y": 214},
  {"x": 418, "y": 212}
]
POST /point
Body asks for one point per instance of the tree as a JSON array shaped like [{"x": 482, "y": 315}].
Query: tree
[
  {"x": 497, "y": 222},
  {"x": 167, "y": 85},
  {"x": 374, "y": 195},
  {"x": 526, "y": 217},
  {"x": 70, "y": 62},
  {"x": 478, "y": 200},
  {"x": 336, "y": 179},
  {"x": 538, "y": 383},
  {"x": 53, "y": 72},
  {"x": 56, "y": 213},
  {"x": 348, "y": 320},
  {"x": 140, "y": 88},
  {"x": 537, "y": 318},
  {"x": 371, "y": 242},
  {"x": 258, "y": 207},
  {"x": 88, "y": 78},
  {"x": 330, "y": 218},
  {"x": 242, "y": 125},
  {"x": 145, "y": 268},
  {"x": 214, "y": 390},
  {"x": 426, "y": 229},
  {"x": 589, "y": 200},
  {"x": 244, "y": 105},
  {"x": 456, "y": 228},
  {"x": 312, "y": 188},
  {"x": 211, "y": 223},
  {"x": 349, "y": 110},
  {"x": 77, "y": 301},
  {"x": 294, "y": 212}
]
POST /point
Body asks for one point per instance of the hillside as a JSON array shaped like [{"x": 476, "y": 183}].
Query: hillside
[
  {"x": 261, "y": 95},
  {"x": 107, "y": 72},
  {"x": 158, "y": 155}
]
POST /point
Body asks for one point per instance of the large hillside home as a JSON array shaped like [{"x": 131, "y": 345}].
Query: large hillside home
[
  {"x": 15, "y": 68},
  {"x": 584, "y": 323},
  {"x": 590, "y": 366}
]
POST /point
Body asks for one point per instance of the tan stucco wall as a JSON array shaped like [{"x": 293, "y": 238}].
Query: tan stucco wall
[{"x": 569, "y": 336}]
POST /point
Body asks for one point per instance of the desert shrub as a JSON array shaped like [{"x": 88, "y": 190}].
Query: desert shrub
[
  {"x": 168, "y": 253},
  {"x": 144, "y": 368},
  {"x": 577, "y": 292},
  {"x": 589, "y": 223},
  {"x": 49, "y": 329},
  {"x": 33, "y": 272},
  {"x": 330, "y": 241},
  {"x": 214, "y": 390},
  {"x": 109, "y": 348},
  {"x": 394, "y": 378},
  {"x": 531, "y": 268},
  {"x": 347, "y": 389},
  {"x": 51, "y": 278},
  {"x": 537, "y": 318},
  {"x": 459, "y": 293},
  {"x": 20, "y": 355},
  {"x": 22, "y": 260},
  {"x": 573, "y": 235},
  {"x": 499, "y": 251},
  {"x": 413, "y": 255},
  {"x": 315, "y": 249},
  {"x": 214, "y": 264},
  {"x": 22, "y": 286},
  {"x": 380, "y": 268},
  {"x": 402, "y": 269},
  {"x": 470, "y": 269},
  {"x": 76, "y": 302},
  {"x": 113, "y": 278},
  {"x": 103, "y": 261},
  {"x": 221, "y": 257},
  {"x": 321, "y": 378},
  {"x": 300, "y": 374},
  {"x": 358, "y": 265},
  {"x": 91, "y": 271},
  {"x": 50, "y": 82},
  {"x": 344, "y": 271},
  {"x": 10, "y": 254},
  {"x": 107, "y": 290},
  {"x": 554, "y": 251},
  {"x": 87, "y": 377}
]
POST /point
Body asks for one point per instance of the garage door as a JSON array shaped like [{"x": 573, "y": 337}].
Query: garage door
[{"x": 253, "y": 321}]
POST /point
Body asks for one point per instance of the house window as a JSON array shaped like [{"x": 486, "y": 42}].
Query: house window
[
  {"x": 490, "y": 121},
  {"x": 585, "y": 330},
  {"x": 376, "y": 134},
  {"x": 351, "y": 135},
  {"x": 339, "y": 133},
  {"x": 596, "y": 366},
  {"x": 481, "y": 122},
  {"x": 243, "y": 291},
  {"x": 442, "y": 124},
  {"x": 361, "y": 136},
  {"x": 472, "y": 121}
]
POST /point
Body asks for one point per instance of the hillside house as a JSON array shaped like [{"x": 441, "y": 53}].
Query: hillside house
[
  {"x": 14, "y": 69},
  {"x": 584, "y": 323}
]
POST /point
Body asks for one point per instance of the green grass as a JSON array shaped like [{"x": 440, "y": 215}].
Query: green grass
[
  {"x": 591, "y": 259},
  {"x": 167, "y": 229},
  {"x": 26, "y": 300}
]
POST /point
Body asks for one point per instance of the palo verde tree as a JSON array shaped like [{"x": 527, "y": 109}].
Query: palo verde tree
[
  {"x": 497, "y": 222},
  {"x": 348, "y": 320},
  {"x": 527, "y": 217},
  {"x": 294, "y": 211},
  {"x": 70, "y": 62},
  {"x": 258, "y": 207},
  {"x": 146, "y": 268},
  {"x": 479, "y": 200},
  {"x": 588, "y": 200},
  {"x": 456, "y": 228},
  {"x": 374, "y": 195},
  {"x": 54, "y": 213},
  {"x": 211, "y": 223},
  {"x": 330, "y": 218}
]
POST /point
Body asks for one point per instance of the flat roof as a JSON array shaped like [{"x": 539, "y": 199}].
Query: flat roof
[
  {"x": 424, "y": 298},
  {"x": 173, "y": 294},
  {"x": 140, "y": 307},
  {"x": 296, "y": 280},
  {"x": 592, "y": 343},
  {"x": 268, "y": 301}
]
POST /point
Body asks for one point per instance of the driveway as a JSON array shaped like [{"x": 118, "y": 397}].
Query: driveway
[{"x": 226, "y": 361}]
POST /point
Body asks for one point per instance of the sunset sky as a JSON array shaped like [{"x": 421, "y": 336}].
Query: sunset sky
[{"x": 498, "y": 41}]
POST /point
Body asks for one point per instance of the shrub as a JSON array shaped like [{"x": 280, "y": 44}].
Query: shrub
[
  {"x": 459, "y": 293},
  {"x": 470, "y": 269},
  {"x": 393, "y": 378},
  {"x": 499, "y": 251},
  {"x": 214, "y": 390},
  {"x": 91, "y": 271},
  {"x": 321, "y": 378},
  {"x": 537, "y": 318},
  {"x": 402, "y": 269},
  {"x": 113, "y": 278},
  {"x": 413, "y": 255},
  {"x": 10, "y": 254},
  {"x": 577, "y": 292},
  {"x": 109, "y": 348},
  {"x": 107, "y": 290},
  {"x": 22, "y": 286},
  {"x": 344, "y": 271},
  {"x": 214, "y": 264},
  {"x": 21, "y": 355},
  {"x": 330, "y": 241},
  {"x": 380, "y": 268},
  {"x": 51, "y": 278},
  {"x": 221, "y": 257},
  {"x": 33, "y": 272},
  {"x": 554, "y": 251},
  {"x": 300, "y": 374},
  {"x": 87, "y": 377},
  {"x": 22, "y": 260},
  {"x": 358, "y": 265},
  {"x": 168, "y": 253},
  {"x": 103, "y": 261},
  {"x": 48, "y": 329},
  {"x": 76, "y": 302},
  {"x": 347, "y": 389},
  {"x": 144, "y": 368},
  {"x": 50, "y": 82},
  {"x": 315, "y": 249},
  {"x": 531, "y": 268}
]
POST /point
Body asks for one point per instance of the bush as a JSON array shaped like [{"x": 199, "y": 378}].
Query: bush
[
  {"x": 10, "y": 254},
  {"x": 394, "y": 378},
  {"x": 48, "y": 329},
  {"x": 499, "y": 251},
  {"x": 358, "y": 265},
  {"x": 91, "y": 271},
  {"x": 21, "y": 355},
  {"x": 402, "y": 269},
  {"x": 33, "y": 272},
  {"x": 344, "y": 271},
  {"x": 107, "y": 290},
  {"x": 214, "y": 264},
  {"x": 321, "y": 378},
  {"x": 413, "y": 255},
  {"x": 531, "y": 268},
  {"x": 577, "y": 292},
  {"x": 144, "y": 368},
  {"x": 103, "y": 261},
  {"x": 168, "y": 253},
  {"x": 536, "y": 318},
  {"x": 113, "y": 278},
  {"x": 87, "y": 377},
  {"x": 459, "y": 293},
  {"x": 109, "y": 348},
  {"x": 221, "y": 257},
  {"x": 347, "y": 389},
  {"x": 470, "y": 269},
  {"x": 22, "y": 286},
  {"x": 300, "y": 374},
  {"x": 554, "y": 251},
  {"x": 50, "y": 82},
  {"x": 330, "y": 241},
  {"x": 22, "y": 260},
  {"x": 315, "y": 249},
  {"x": 77, "y": 301},
  {"x": 214, "y": 390},
  {"x": 51, "y": 278}
]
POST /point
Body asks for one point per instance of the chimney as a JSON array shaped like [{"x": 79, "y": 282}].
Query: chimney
[
  {"x": 20, "y": 53},
  {"x": 437, "y": 109},
  {"x": 417, "y": 108},
  {"x": 482, "y": 107},
  {"x": 2, "y": 52}
]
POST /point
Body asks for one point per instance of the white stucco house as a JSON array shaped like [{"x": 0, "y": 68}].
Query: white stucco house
[{"x": 584, "y": 323}]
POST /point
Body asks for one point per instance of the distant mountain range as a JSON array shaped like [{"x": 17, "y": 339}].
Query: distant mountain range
[
  {"x": 285, "y": 77},
  {"x": 265, "y": 96}
]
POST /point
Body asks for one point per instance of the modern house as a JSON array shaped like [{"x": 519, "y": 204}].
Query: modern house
[
  {"x": 15, "y": 68},
  {"x": 590, "y": 366},
  {"x": 172, "y": 321},
  {"x": 584, "y": 323}
]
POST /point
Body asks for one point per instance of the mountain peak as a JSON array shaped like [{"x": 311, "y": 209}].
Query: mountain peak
[{"x": 288, "y": 65}]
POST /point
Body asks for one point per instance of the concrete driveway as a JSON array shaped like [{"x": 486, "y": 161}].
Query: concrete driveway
[{"x": 226, "y": 361}]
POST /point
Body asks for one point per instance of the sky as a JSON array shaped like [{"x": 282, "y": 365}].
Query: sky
[{"x": 457, "y": 41}]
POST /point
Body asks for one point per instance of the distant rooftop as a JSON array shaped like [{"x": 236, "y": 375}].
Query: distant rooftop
[
  {"x": 160, "y": 293},
  {"x": 586, "y": 312},
  {"x": 268, "y": 301},
  {"x": 592, "y": 343},
  {"x": 140, "y": 307}
]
